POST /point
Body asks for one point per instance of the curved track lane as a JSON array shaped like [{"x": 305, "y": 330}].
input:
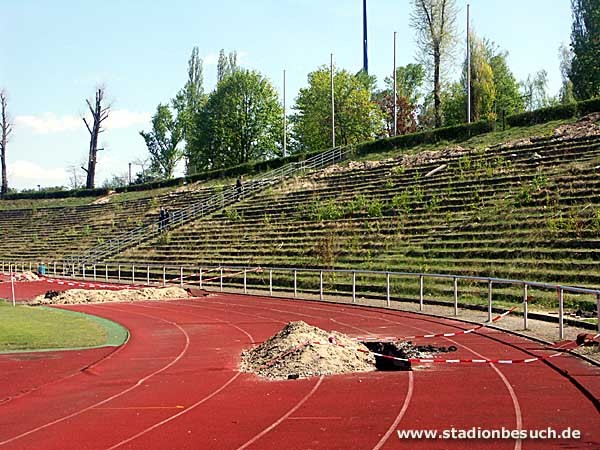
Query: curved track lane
[{"x": 175, "y": 384}]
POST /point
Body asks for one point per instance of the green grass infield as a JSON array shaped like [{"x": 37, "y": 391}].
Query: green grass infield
[{"x": 26, "y": 328}]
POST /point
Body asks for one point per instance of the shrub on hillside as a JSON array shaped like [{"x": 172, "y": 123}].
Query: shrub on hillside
[{"x": 543, "y": 115}]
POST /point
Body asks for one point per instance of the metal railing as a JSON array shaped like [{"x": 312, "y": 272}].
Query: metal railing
[
  {"x": 358, "y": 285},
  {"x": 228, "y": 196}
]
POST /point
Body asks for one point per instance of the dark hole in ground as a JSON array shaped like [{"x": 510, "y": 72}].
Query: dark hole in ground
[{"x": 403, "y": 350}]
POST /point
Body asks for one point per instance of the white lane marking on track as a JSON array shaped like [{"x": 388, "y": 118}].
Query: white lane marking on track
[
  {"x": 400, "y": 415},
  {"x": 515, "y": 401},
  {"x": 199, "y": 402},
  {"x": 137, "y": 384},
  {"x": 282, "y": 418}
]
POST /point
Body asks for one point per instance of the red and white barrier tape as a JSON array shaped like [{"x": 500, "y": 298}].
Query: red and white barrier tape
[{"x": 456, "y": 333}]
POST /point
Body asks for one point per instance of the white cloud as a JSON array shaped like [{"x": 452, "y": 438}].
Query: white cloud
[
  {"x": 122, "y": 118},
  {"x": 51, "y": 123},
  {"x": 26, "y": 174}
]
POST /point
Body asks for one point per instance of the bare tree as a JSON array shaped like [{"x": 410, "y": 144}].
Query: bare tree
[
  {"x": 435, "y": 24},
  {"x": 75, "y": 176},
  {"x": 5, "y": 130},
  {"x": 99, "y": 115}
]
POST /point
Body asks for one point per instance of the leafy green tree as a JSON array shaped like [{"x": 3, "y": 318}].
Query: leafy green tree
[
  {"x": 226, "y": 64},
  {"x": 483, "y": 88},
  {"x": 454, "y": 103},
  {"x": 435, "y": 24},
  {"x": 240, "y": 122},
  {"x": 535, "y": 91},
  {"x": 565, "y": 56},
  {"x": 188, "y": 102},
  {"x": 357, "y": 117},
  {"x": 585, "y": 42},
  {"x": 163, "y": 141},
  {"x": 409, "y": 80},
  {"x": 508, "y": 98}
]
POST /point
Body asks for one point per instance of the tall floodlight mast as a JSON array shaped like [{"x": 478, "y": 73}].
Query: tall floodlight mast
[
  {"x": 395, "y": 92},
  {"x": 365, "y": 55},
  {"x": 468, "y": 68},
  {"x": 332, "y": 108}
]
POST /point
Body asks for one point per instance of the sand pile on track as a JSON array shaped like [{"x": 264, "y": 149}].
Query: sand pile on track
[
  {"x": 294, "y": 353},
  {"x": 77, "y": 296},
  {"x": 26, "y": 276}
]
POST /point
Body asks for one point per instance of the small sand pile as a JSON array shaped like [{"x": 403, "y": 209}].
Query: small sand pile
[
  {"x": 295, "y": 353},
  {"x": 26, "y": 276},
  {"x": 77, "y": 296}
]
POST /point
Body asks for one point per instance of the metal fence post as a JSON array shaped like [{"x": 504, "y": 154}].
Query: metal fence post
[
  {"x": 455, "y": 296},
  {"x": 295, "y": 283},
  {"x": 387, "y": 286},
  {"x": 106, "y": 272},
  {"x": 271, "y": 282},
  {"x": 54, "y": 268},
  {"x": 119, "y": 272},
  {"x": 598, "y": 310},
  {"x": 353, "y": 287},
  {"x": 221, "y": 279},
  {"x": 525, "y": 305},
  {"x": 83, "y": 271},
  {"x": 133, "y": 274},
  {"x": 94, "y": 272},
  {"x": 181, "y": 277},
  {"x": 245, "y": 290},
  {"x": 164, "y": 276},
  {"x": 421, "y": 292},
  {"x": 320, "y": 285},
  {"x": 200, "y": 278},
  {"x": 561, "y": 311},
  {"x": 148, "y": 275},
  {"x": 490, "y": 287}
]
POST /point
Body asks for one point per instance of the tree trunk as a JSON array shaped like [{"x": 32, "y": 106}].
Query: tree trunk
[
  {"x": 437, "y": 103},
  {"x": 99, "y": 114},
  {"x": 6, "y": 128}
]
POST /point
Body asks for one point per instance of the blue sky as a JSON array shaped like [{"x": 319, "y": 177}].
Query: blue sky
[{"x": 55, "y": 52}]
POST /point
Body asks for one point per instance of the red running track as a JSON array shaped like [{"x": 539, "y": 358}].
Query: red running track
[{"x": 174, "y": 385}]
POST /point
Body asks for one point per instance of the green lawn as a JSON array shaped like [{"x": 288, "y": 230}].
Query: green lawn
[{"x": 34, "y": 328}]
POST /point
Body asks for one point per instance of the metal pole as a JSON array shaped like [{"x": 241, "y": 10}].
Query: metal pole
[
  {"x": 94, "y": 272},
  {"x": 284, "y": 119},
  {"x": 561, "y": 311},
  {"x": 387, "y": 286},
  {"x": 83, "y": 271},
  {"x": 420, "y": 292},
  {"x": 332, "y": 107},
  {"x": 133, "y": 274},
  {"x": 468, "y": 67},
  {"x": 353, "y": 287},
  {"x": 164, "y": 276},
  {"x": 321, "y": 285},
  {"x": 598, "y": 310},
  {"x": 295, "y": 282},
  {"x": 119, "y": 272},
  {"x": 365, "y": 53},
  {"x": 106, "y": 272},
  {"x": 221, "y": 279},
  {"x": 490, "y": 287},
  {"x": 395, "y": 92},
  {"x": 181, "y": 277},
  {"x": 525, "y": 306},
  {"x": 271, "y": 283},
  {"x": 245, "y": 292},
  {"x": 148, "y": 275},
  {"x": 455, "y": 296}
]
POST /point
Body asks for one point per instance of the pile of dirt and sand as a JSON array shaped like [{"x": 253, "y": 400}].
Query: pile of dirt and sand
[
  {"x": 586, "y": 126},
  {"x": 300, "y": 350},
  {"x": 77, "y": 296},
  {"x": 26, "y": 276}
]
